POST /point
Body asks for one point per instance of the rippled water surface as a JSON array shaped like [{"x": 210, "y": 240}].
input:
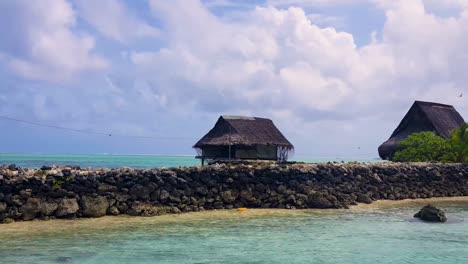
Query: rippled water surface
[{"x": 386, "y": 234}]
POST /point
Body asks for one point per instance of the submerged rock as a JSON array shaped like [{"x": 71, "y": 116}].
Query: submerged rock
[{"x": 431, "y": 213}]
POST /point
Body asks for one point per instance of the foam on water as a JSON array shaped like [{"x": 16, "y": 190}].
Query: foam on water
[{"x": 383, "y": 233}]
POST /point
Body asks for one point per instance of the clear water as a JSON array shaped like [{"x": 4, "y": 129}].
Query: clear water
[
  {"x": 97, "y": 161},
  {"x": 375, "y": 235},
  {"x": 110, "y": 161}
]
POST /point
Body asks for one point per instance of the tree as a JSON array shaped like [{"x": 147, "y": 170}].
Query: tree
[
  {"x": 458, "y": 144},
  {"x": 425, "y": 146}
]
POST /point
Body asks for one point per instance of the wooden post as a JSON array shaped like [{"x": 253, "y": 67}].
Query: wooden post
[{"x": 229, "y": 139}]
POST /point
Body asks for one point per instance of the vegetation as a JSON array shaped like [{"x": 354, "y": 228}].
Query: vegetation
[
  {"x": 427, "y": 146},
  {"x": 424, "y": 146},
  {"x": 459, "y": 144}
]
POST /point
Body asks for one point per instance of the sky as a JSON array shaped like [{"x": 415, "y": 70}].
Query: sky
[{"x": 335, "y": 76}]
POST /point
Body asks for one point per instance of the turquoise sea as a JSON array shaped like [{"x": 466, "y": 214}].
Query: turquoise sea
[
  {"x": 387, "y": 234},
  {"x": 116, "y": 161},
  {"x": 97, "y": 161}
]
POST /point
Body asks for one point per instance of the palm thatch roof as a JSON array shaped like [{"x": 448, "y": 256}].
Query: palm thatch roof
[
  {"x": 423, "y": 116},
  {"x": 241, "y": 130}
]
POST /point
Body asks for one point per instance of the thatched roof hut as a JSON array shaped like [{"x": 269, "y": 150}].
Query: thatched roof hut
[
  {"x": 423, "y": 116},
  {"x": 240, "y": 137}
]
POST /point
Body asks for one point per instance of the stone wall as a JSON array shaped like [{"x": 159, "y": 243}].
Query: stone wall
[{"x": 68, "y": 192}]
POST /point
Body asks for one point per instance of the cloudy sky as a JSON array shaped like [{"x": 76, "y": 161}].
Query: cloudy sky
[{"x": 336, "y": 76}]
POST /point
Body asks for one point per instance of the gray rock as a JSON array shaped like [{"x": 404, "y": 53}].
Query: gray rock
[
  {"x": 25, "y": 194},
  {"x": 229, "y": 196},
  {"x": 140, "y": 192},
  {"x": 3, "y": 207},
  {"x": 113, "y": 210},
  {"x": 67, "y": 207},
  {"x": 247, "y": 195},
  {"x": 363, "y": 198},
  {"x": 317, "y": 200},
  {"x": 431, "y": 213},
  {"x": 47, "y": 208},
  {"x": 94, "y": 206},
  {"x": 14, "y": 200},
  {"x": 30, "y": 209},
  {"x": 8, "y": 221},
  {"x": 143, "y": 209},
  {"x": 107, "y": 188},
  {"x": 164, "y": 195}
]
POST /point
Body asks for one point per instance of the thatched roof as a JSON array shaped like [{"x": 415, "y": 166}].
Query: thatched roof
[
  {"x": 423, "y": 116},
  {"x": 240, "y": 130}
]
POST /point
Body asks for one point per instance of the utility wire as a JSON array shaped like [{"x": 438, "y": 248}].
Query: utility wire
[
  {"x": 306, "y": 156},
  {"x": 88, "y": 131}
]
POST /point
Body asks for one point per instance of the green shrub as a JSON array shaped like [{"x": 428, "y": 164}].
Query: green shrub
[
  {"x": 420, "y": 147},
  {"x": 458, "y": 143},
  {"x": 427, "y": 146}
]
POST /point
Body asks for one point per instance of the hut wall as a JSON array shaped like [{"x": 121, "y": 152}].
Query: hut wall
[
  {"x": 216, "y": 152},
  {"x": 246, "y": 153},
  {"x": 241, "y": 152},
  {"x": 267, "y": 152}
]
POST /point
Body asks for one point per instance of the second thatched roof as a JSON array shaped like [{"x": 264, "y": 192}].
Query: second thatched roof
[{"x": 423, "y": 116}]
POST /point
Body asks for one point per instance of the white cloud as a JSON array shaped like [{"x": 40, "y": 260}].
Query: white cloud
[
  {"x": 274, "y": 58},
  {"x": 276, "y": 62},
  {"x": 225, "y": 3},
  {"x": 315, "y": 3},
  {"x": 41, "y": 42},
  {"x": 327, "y": 21},
  {"x": 113, "y": 19}
]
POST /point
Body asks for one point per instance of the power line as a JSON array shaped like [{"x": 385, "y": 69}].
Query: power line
[{"x": 88, "y": 131}]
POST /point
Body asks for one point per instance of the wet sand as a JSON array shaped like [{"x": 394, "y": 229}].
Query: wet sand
[
  {"x": 117, "y": 222},
  {"x": 440, "y": 201}
]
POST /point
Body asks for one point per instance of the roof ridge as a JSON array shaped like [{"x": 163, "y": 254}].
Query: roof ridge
[{"x": 432, "y": 104}]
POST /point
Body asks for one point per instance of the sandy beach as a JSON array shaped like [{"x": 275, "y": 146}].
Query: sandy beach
[{"x": 116, "y": 222}]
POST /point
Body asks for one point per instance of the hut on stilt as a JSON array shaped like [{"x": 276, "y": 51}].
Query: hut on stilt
[
  {"x": 243, "y": 138},
  {"x": 422, "y": 116}
]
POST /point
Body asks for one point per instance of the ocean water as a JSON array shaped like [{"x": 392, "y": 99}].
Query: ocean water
[
  {"x": 364, "y": 235},
  {"x": 116, "y": 161},
  {"x": 97, "y": 161}
]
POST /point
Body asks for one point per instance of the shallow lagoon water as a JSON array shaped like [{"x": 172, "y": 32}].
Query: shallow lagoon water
[{"x": 380, "y": 233}]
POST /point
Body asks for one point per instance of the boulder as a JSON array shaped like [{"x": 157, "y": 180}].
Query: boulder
[
  {"x": 67, "y": 207},
  {"x": 8, "y": 221},
  {"x": 30, "y": 209},
  {"x": 144, "y": 209},
  {"x": 363, "y": 198},
  {"x": 3, "y": 207},
  {"x": 47, "y": 208},
  {"x": 431, "y": 213},
  {"x": 113, "y": 210},
  {"x": 94, "y": 206},
  {"x": 229, "y": 196},
  {"x": 317, "y": 200}
]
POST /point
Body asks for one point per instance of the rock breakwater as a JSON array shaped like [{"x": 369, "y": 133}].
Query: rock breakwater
[{"x": 69, "y": 192}]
